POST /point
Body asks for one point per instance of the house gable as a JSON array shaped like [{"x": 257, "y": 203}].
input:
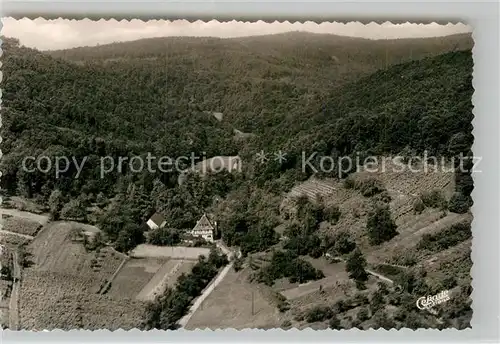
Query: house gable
[{"x": 156, "y": 221}]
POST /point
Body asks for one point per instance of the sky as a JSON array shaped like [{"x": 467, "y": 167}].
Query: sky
[{"x": 63, "y": 33}]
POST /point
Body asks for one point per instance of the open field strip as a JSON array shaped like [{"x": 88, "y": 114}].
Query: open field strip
[
  {"x": 165, "y": 277},
  {"x": 208, "y": 290},
  {"x": 170, "y": 252},
  {"x": 24, "y": 236},
  {"x": 41, "y": 219},
  {"x": 133, "y": 276},
  {"x": 106, "y": 287}
]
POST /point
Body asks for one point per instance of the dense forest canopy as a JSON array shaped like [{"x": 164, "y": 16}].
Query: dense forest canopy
[{"x": 295, "y": 92}]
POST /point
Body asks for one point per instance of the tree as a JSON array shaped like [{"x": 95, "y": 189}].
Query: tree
[
  {"x": 332, "y": 213},
  {"x": 418, "y": 206},
  {"x": 216, "y": 259},
  {"x": 355, "y": 266},
  {"x": 334, "y": 323},
  {"x": 100, "y": 199},
  {"x": 377, "y": 302},
  {"x": 460, "y": 203},
  {"x": 56, "y": 202},
  {"x": 319, "y": 313},
  {"x": 343, "y": 243},
  {"x": 129, "y": 237},
  {"x": 164, "y": 237},
  {"x": 381, "y": 319},
  {"x": 363, "y": 314},
  {"x": 380, "y": 225},
  {"x": 74, "y": 209}
]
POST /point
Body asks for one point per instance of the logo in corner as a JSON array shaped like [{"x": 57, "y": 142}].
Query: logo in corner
[{"x": 427, "y": 302}]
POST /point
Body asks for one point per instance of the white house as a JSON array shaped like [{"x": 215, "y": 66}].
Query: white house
[
  {"x": 156, "y": 221},
  {"x": 204, "y": 229}
]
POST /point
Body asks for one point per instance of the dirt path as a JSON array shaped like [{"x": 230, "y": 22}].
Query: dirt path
[
  {"x": 14, "y": 297},
  {"x": 41, "y": 219},
  {"x": 382, "y": 277}
]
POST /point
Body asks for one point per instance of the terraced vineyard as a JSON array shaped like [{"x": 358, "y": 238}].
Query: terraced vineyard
[{"x": 312, "y": 188}]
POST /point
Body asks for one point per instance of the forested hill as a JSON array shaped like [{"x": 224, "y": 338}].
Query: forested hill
[
  {"x": 56, "y": 107},
  {"x": 258, "y": 81}
]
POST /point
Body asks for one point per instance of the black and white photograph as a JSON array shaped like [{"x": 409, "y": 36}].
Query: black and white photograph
[{"x": 236, "y": 175}]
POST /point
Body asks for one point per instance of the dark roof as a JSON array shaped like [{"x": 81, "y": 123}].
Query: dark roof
[
  {"x": 204, "y": 224},
  {"x": 158, "y": 219}
]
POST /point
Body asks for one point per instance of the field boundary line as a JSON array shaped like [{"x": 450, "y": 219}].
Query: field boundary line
[{"x": 106, "y": 286}]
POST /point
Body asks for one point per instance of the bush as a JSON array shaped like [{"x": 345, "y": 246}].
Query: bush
[
  {"x": 460, "y": 203},
  {"x": 334, "y": 323},
  {"x": 447, "y": 238},
  {"x": 360, "y": 285},
  {"x": 287, "y": 264},
  {"x": 369, "y": 187},
  {"x": 383, "y": 197},
  {"x": 74, "y": 209},
  {"x": 349, "y": 183},
  {"x": 434, "y": 199},
  {"x": 449, "y": 282},
  {"x": 100, "y": 199},
  {"x": 360, "y": 299},
  {"x": 382, "y": 288},
  {"x": 418, "y": 206},
  {"x": 389, "y": 270},
  {"x": 377, "y": 302},
  {"x": 238, "y": 264},
  {"x": 319, "y": 313},
  {"x": 380, "y": 226},
  {"x": 381, "y": 320},
  {"x": 340, "y": 307},
  {"x": 363, "y": 314},
  {"x": 332, "y": 214},
  {"x": 407, "y": 257}
]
